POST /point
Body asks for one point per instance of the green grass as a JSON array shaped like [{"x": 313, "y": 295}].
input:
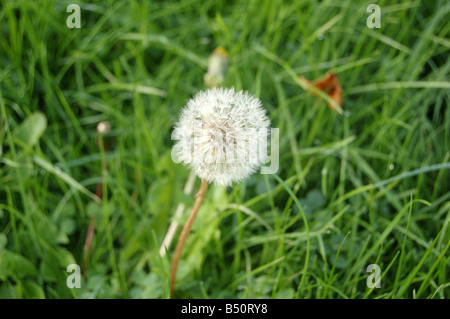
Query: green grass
[{"x": 367, "y": 187}]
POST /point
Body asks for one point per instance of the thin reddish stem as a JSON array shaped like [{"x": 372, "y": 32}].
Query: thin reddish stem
[{"x": 185, "y": 232}]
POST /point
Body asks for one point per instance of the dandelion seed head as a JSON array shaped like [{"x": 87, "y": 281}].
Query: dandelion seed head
[
  {"x": 218, "y": 134},
  {"x": 103, "y": 127}
]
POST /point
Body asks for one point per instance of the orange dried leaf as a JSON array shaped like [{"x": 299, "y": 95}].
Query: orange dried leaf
[{"x": 328, "y": 84}]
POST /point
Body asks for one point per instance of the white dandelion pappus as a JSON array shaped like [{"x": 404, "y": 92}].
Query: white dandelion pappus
[{"x": 218, "y": 135}]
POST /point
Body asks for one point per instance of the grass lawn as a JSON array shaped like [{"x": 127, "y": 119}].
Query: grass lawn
[{"x": 366, "y": 187}]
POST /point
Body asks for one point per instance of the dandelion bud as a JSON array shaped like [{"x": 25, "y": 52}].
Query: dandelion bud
[{"x": 217, "y": 67}]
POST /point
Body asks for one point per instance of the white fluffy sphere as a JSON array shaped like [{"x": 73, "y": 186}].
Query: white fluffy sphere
[{"x": 219, "y": 134}]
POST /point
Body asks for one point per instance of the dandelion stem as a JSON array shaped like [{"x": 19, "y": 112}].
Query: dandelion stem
[
  {"x": 185, "y": 232},
  {"x": 102, "y": 129}
]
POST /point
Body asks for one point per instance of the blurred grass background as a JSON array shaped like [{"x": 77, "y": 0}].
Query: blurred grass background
[{"x": 372, "y": 185}]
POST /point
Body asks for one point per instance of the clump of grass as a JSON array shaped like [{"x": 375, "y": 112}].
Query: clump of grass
[{"x": 370, "y": 187}]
